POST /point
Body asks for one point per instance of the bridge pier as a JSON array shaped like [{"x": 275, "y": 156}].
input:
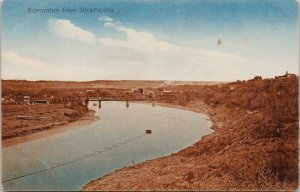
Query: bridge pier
[
  {"x": 99, "y": 104},
  {"x": 153, "y": 104},
  {"x": 86, "y": 102}
]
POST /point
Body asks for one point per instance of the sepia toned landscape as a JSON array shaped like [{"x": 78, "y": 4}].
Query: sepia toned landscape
[
  {"x": 198, "y": 95},
  {"x": 254, "y": 145}
]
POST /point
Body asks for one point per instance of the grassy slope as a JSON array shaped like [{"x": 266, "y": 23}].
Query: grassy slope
[{"x": 254, "y": 146}]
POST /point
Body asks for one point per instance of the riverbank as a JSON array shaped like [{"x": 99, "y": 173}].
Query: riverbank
[
  {"x": 54, "y": 119},
  {"x": 254, "y": 146}
]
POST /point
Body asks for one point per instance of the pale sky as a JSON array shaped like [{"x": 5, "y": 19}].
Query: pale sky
[{"x": 150, "y": 40}]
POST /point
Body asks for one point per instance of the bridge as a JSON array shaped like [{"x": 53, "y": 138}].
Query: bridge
[
  {"x": 99, "y": 99},
  {"x": 157, "y": 98}
]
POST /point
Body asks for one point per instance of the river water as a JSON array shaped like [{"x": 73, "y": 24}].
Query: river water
[{"x": 68, "y": 160}]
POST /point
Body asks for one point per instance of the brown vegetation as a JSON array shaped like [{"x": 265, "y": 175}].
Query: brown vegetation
[
  {"x": 254, "y": 146},
  {"x": 50, "y": 116}
]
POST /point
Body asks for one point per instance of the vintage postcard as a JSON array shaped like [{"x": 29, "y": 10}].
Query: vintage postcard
[{"x": 164, "y": 95}]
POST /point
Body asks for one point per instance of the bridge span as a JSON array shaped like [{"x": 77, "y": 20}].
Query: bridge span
[{"x": 99, "y": 99}]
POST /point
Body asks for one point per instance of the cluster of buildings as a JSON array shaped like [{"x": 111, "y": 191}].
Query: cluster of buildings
[{"x": 24, "y": 100}]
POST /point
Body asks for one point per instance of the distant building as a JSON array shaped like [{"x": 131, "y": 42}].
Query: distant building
[
  {"x": 287, "y": 74},
  {"x": 148, "y": 92},
  {"x": 41, "y": 102},
  {"x": 139, "y": 90},
  {"x": 167, "y": 91},
  {"x": 26, "y": 99},
  {"x": 168, "y": 83},
  {"x": 11, "y": 100},
  {"x": 68, "y": 104}
]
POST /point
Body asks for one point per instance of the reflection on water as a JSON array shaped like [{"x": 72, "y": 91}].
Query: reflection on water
[{"x": 69, "y": 160}]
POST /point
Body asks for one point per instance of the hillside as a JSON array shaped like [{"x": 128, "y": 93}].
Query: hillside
[{"x": 254, "y": 146}]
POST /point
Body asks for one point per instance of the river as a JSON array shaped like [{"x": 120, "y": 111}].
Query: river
[{"x": 68, "y": 160}]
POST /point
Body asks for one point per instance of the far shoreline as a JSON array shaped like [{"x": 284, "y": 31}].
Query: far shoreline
[{"x": 87, "y": 119}]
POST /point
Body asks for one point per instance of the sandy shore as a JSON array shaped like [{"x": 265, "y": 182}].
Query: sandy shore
[{"x": 88, "y": 118}]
